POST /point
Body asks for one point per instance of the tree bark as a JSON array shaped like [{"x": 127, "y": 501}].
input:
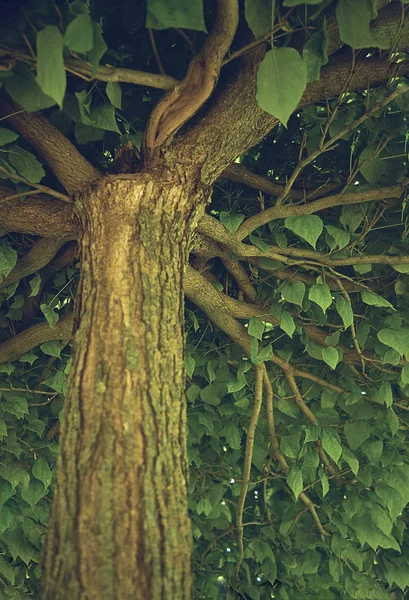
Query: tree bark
[{"x": 119, "y": 527}]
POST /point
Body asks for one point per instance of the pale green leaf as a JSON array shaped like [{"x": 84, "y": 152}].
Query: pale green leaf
[
  {"x": 26, "y": 164},
  {"x": 344, "y": 310},
  {"x": 337, "y": 238},
  {"x": 295, "y": 481},
  {"x": 182, "y": 14},
  {"x": 294, "y": 292},
  {"x": 354, "y": 17},
  {"x": 15, "y": 405},
  {"x": 51, "y": 316},
  {"x": 398, "y": 339},
  {"x": 259, "y": 16},
  {"x": 321, "y": 295},
  {"x": 103, "y": 117},
  {"x": 231, "y": 221},
  {"x": 315, "y": 54},
  {"x": 350, "y": 458},
  {"x": 8, "y": 260},
  {"x": 256, "y": 328},
  {"x": 331, "y": 445},
  {"x": 99, "y": 47},
  {"x": 324, "y": 482},
  {"x": 42, "y": 471},
  {"x": 375, "y": 300},
  {"x": 281, "y": 81},
  {"x": 114, "y": 94},
  {"x": 356, "y": 433},
  {"x": 307, "y": 227},
  {"x": 7, "y": 136},
  {"x": 35, "y": 283},
  {"x": 79, "y": 34},
  {"x": 330, "y": 356},
  {"x": 287, "y": 323},
  {"x": 51, "y": 348},
  {"x": 50, "y": 63},
  {"x": 384, "y": 394}
]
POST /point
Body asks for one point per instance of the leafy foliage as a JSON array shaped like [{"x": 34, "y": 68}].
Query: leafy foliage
[{"x": 324, "y": 301}]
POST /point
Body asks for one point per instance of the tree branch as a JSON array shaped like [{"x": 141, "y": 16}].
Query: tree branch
[
  {"x": 33, "y": 336},
  {"x": 40, "y": 254},
  {"x": 69, "y": 166},
  {"x": 234, "y": 122},
  {"x": 39, "y": 215},
  {"x": 184, "y": 101}
]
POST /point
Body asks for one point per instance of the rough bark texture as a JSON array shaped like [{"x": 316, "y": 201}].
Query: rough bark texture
[{"x": 119, "y": 527}]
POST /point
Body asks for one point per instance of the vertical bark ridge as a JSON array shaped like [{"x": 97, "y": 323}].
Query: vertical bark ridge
[{"x": 119, "y": 526}]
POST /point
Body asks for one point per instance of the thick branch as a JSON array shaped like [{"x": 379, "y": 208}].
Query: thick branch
[
  {"x": 185, "y": 100},
  {"x": 234, "y": 123},
  {"x": 70, "y": 167},
  {"x": 38, "y": 214},
  {"x": 342, "y": 199},
  {"x": 41, "y": 253},
  {"x": 37, "y": 334}
]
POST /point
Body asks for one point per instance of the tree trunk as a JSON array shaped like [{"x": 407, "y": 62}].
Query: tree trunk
[{"x": 119, "y": 528}]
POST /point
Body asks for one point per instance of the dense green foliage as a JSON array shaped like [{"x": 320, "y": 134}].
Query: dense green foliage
[{"x": 331, "y": 299}]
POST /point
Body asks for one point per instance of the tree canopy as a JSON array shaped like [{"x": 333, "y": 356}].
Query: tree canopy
[{"x": 291, "y": 119}]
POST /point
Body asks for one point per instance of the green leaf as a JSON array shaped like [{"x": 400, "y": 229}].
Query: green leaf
[
  {"x": 7, "y": 571},
  {"x": 373, "y": 450},
  {"x": 99, "y": 47},
  {"x": 287, "y": 323},
  {"x": 375, "y": 300},
  {"x": 331, "y": 445},
  {"x": 6, "y": 491},
  {"x": 114, "y": 94},
  {"x": 392, "y": 421},
  {"x": 324, "y": 482},
  {"x": 307, "y": 227},
  {"x": 103, "y": 117},
  {"x": 79, "y": 34},
  {"x": 15, "y": 474},
  {"x": 354, "y": 17},
  {"x": 51, "y": 316},
  {"x": 356, "y": 433},
  {"x": 350, "y": 458},
  {"x": 24, "y": 90},
  {"x": 190, "y": 364},
  {"x": 321, "y": 295},
  {"x": 256, "y": 328},
  {"x": 18, "y": 545},
  {"x": 231, "y": 221},
  {"x": 50, "y": 63},
  {"x": 337, "y": 238},
  {"x": 233, "y": 435},
  {"x": 210, "y": 395},
  {"x": 384, "y": 394},
  {"x": 35, "y": 283},
  {"x": 398, "y": 339},
  {"x": 7, "y": 136},
  {"x": 42, "y": 471},
  {"x": 259, "y": 16},
  {"x": 3, "y": 429},
  {"x": 295, "y": 481},
  {"x": 34, "y": 492},
  {"x": 182, "y": 14},
  {"x": 352, "y": 216},
  {"x": 405, "y": 374},
  {"x": 57, "y": 382},
  {"x": 401, "y": 268},
  {"x": 15, "y": 405},
  {"x": 315, "y": 54},
  {"x": 28, "y": 357},
  {"x": 294, "y": 292},
  {"x": 26, "y": 164},
  {"x": 51, "y": 348},
  {"x": 330, "y": 356},
  {"x": 281, "y": 81},
  {"x": 8, "y": 260}
]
